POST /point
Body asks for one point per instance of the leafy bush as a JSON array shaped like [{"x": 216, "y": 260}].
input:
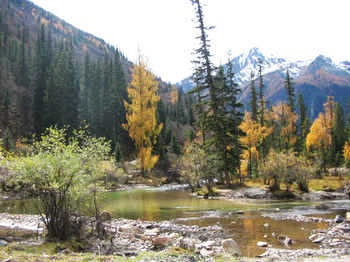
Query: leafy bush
[
  {"x": 197, "y": 167},
  {"x": 287, "y": 168},
  {"x": 62, "y": 171}
]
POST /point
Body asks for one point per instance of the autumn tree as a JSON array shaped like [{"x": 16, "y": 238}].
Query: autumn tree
[
  {"x": 141, "y": 117},
  {"x": 319, "y": 138},
  {"x": 346, "y": 153},
  {"x": 284, "y": 122},
  {"x": 255, "y": 133}
]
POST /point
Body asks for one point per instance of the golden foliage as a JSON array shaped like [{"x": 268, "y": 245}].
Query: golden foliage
[
  {"x": 174, "y": 95},
  {"x": 319, "y": 136},
  {"x": 254, "y": 132},
  {"x": 141, "y": 114},
  {"x": 254, "y": 136},
  {"x": 285, "y": 121},
  {"x": 329, "y": 109},
  {"x": 347, "y": 151}
]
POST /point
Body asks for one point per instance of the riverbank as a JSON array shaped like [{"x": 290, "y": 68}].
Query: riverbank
[{"x": 165, "y": 241}]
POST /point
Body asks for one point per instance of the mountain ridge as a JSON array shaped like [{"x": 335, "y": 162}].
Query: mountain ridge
[{"x": 315, "y": 79}]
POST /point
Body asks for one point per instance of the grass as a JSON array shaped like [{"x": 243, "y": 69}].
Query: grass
[{"x": 327, "y": 183}]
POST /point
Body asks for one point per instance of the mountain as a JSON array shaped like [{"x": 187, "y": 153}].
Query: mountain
[{"x": 315, "y": 79}]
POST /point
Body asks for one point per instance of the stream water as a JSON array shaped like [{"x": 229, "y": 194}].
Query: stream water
[{"x": 241, "y": 220}]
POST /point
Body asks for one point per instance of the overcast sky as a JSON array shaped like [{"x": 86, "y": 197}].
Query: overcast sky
[{"x": 164, "y": 30}]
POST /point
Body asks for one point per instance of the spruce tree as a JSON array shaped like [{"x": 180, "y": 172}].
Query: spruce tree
[
  {"x": 262, "y": 102},
  {"x": 205, "y": 89},
  {"x": 290, "y": 91},
  {"x": 253, "y": 98}
]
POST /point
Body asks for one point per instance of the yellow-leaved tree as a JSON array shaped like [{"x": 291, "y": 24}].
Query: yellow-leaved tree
[
  {"x": 347, "y": 151},
  {"x": 255, "y": 133},
  {"x": 319, "y": 137},
  {"x": 141, "y": 116},
  {"x": 285, "y": 122}
]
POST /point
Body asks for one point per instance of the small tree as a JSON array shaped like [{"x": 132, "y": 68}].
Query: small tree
[
  {"x": 197, "y": 167},
  {"x": 141, "y": 116},
  {"x": 62, "y": 172},
  {"x": 286, "y": 168}
]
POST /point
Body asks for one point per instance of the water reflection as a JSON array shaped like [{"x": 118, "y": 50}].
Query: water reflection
[{"x": 241, "y": 220}]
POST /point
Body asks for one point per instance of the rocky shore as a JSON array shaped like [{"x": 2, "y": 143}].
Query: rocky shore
[
  {"x": 334, "y": 245},
  {"x": 129, "y": 238}
]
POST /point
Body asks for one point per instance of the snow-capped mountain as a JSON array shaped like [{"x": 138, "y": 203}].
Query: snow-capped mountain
[
  {"x": 314, "y": 79},
  {"x": 248, "y": 62}
]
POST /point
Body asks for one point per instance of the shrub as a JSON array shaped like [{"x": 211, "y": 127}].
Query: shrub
[
  {"x": 61, "y": 171},
  {"x": 287, "y": 168}
]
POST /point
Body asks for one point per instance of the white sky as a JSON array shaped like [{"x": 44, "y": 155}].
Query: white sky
[{"x": 164, "y": 31}]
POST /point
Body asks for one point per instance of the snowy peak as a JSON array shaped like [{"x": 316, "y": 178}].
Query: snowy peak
[
  {"x": 248, "y": 62},
  {"x": 320, "y": 62}
]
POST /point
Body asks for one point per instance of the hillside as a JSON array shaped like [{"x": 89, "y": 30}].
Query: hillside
[{"x": 52, "y": 73}]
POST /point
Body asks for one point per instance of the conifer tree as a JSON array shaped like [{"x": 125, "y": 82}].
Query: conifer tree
[
  {"x": 303, "y": 124},
  {"x": 142, "y": 123},
  {"x": 262, "y": 102},
  {"x": 290, "y": 91},
  {"x": 253, "y": 98}
]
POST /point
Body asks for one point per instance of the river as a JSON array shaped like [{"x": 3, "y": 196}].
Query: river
[{"x": 242, "y": 220}]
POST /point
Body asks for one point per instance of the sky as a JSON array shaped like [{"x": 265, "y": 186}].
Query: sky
[{"x": 163, "y": 30}]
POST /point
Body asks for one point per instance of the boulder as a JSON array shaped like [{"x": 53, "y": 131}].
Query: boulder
[
  {"x": 3, "y": 243},
  {"x": 338, "y": 219},
  {"x": 105, "y": 216},
  {"x": 160, "y": 242},
  {"x": 347, "y": 216},
  {"x": 230, "y": 247},
  {"x": 261, "y": 244},
  {"x": 285, "y": 240},
  {"x": 188, "y": 243}
]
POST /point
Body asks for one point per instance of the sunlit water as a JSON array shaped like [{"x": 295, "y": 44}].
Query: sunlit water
[{"x": 241, "y": 220}]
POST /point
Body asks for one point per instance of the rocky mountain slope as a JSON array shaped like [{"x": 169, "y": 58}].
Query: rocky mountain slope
[{"x": 315, "y": 79}]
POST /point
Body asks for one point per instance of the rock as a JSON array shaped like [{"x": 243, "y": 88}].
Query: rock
[
  {"x": 261, "y": 244},
  {"x": 188, "y": 243},
  {"x": 160, "y": 242},
  {"x": 230, "y": 247},
  {"x": 105, "y": 216},
  {"x": 285, "y": 240},
  {"x": 266, "y": 225},
  {"x": 322, "y": 207},
  {"x": 206, "y": 253},
  {"x": 317, "y": 238},
  {"x": 347, "y": 216},
  {"x": 3, "y": 243},
  {"x": 338, "y": 219}
]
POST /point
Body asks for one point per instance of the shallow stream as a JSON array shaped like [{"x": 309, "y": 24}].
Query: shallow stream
[{"x": 242, "y": 220}]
